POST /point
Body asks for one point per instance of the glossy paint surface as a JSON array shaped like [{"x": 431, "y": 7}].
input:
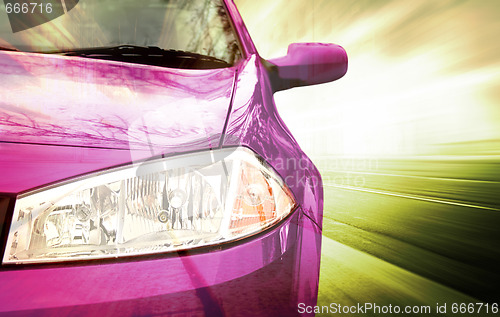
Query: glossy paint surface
[
  {"x": 88, "y": 103},
  {"x": 268, "y": 274},
  {"x": 106, "y": 283},
  {"x": 255, "y": 122},
  {"x": 309, "y": 64},
  {"x": 62, "y": 100}
]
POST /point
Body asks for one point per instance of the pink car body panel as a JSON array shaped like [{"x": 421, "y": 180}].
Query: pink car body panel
[{"x": 61, "y": 117}]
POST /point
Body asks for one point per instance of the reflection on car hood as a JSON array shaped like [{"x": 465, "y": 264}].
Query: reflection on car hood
[{"x": 73, "y": 101}]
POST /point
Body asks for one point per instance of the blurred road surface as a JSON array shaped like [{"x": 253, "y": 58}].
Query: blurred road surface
[{"x": 411, "y": 232}]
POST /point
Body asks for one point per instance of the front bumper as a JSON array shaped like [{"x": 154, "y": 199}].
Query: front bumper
[{"x": 267, "y": 275}]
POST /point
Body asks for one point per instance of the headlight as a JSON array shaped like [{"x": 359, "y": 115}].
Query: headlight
[{"x": 157, "y": 206}]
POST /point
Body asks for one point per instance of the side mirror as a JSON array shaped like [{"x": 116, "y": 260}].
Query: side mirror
[{"x": 307, "y": 64}]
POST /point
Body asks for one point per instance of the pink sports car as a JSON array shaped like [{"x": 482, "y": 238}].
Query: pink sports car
[{"x": 144, "y": 169}]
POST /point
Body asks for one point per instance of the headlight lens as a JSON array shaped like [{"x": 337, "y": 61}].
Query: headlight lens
[{"x": 163, "y": 205}]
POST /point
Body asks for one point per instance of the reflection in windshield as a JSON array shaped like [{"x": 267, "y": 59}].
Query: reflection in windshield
[{"x": 199, "y": 26}]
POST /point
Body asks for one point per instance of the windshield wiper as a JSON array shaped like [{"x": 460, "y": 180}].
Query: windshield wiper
[
  {"x": 8, "y": 49},
  {"x": 150, "y": 55}
]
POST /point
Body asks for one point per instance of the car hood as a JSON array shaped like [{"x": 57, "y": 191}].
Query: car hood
[
  {"x": 58, "y": 100},
  {"x": 64, "y": 116}
]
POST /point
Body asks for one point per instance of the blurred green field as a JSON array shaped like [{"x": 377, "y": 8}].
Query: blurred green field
[
  {"x": 456, "y": 179},
  {"x": 430, "y": 225}
]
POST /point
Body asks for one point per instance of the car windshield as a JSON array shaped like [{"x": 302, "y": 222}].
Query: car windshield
[{"x": 191, "y": 26}]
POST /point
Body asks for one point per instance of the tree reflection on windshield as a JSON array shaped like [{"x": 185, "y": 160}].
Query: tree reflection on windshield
[{"x": 198, "y": 26}]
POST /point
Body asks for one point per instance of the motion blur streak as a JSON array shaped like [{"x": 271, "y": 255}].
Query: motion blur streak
[
  {"x": 423, "y": 76},
  {"x": 415, "y": 127}
]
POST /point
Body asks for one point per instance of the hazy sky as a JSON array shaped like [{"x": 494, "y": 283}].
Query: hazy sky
[{"x": 423, "y": 78}]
